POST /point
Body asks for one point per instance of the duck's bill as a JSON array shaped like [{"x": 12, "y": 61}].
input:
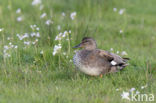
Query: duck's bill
[{"x": 77, "y": 46}]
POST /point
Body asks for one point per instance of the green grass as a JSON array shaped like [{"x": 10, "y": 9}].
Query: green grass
[{"x": 29, "y": 77}]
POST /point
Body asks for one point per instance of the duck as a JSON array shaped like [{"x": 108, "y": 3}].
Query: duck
[{"x": 93, "y": 61}]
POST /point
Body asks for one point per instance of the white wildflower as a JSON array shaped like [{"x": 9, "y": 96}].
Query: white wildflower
[
  {"x": 111, "y": 49},
  {"x": 18, "y": 11},
  {"x": 36, "y": 2},
  {"x": 41, "y": 52},
  {"x": 121, "y": 11},
  {"x": 33, "y": 26},
  {"x": 132, "y": 89},
  {"x": 43, "y": 15},
  {"x": 114, "y": 9},
  {"x": 37, "y": 28},
  {"x": 6, "y": 47},
  {"x": 59, "y": 36},
  {"x": 63, "y": 14},
  {"x": 69, "y": 31},
  {"x": 56, "y": 49},
  {"x": 59, "y": 27},
  {"x": 19, "y": 19},
  {"x": 123, "y": 53},
  {"x": 137, "y": 92},
  {"x": 121, "y": 31},
  {"x": 64, "y": 53},
  {"x": 15, "y": 46},
  {"x": 23, "y": 36},
  {"x": 33, "y": 34},
  {"x": 64, "y": 34},
  {"x": 73, "y": 15},
  {"x": 117, "y": 52},
  {"x": 142, "y": 87},
  {"x": 37, "y": 34},
  {"x": 70, "y": 60},
  {"x": 117, "y": 89},
  {"x": 1, "y": 29},
  {"x": 8, "y": 38},
  {"x": 48, "y": 22},
  {"x": 27, "y": 42}
]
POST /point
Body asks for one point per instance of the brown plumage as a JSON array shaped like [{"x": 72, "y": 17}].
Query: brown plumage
[{"x": 93, "y": 61}]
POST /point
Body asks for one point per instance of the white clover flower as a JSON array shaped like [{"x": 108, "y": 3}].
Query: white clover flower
[
  {"x": 18, "y": 11},
  {"x": 43, "y": 15},
  {"x": 19, "y": 19},
  {"x": 113, "y": 63},
  {"x": 121, "y": 11},
  {"x": 36, "y": 2},
  {"x": 123, "y": 53},
  {"x": 73, "y": 15},
  {"x": 125, "y": 95},
  {"x": 56, "y": 49},
  {"x": 1, "y": 29},
  {"x": 114, "y": 9},
  {"x": 48, "y": 22}
]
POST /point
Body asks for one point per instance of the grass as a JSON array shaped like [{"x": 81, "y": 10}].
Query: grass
[{"x": 30, "y": 77}]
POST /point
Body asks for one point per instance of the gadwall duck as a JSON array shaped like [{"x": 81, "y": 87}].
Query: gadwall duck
[{"x": 94, "y": 62}]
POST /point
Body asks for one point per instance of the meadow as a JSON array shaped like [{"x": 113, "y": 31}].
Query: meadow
[{"x": 36, "y": 40}]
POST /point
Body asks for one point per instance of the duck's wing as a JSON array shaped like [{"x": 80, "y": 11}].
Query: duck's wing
[
  {"x": 105, "y": 54},
  {"x": 119, "y": 61}
]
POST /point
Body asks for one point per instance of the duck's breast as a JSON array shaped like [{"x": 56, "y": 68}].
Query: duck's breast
[{"x": 77, "y": 59}]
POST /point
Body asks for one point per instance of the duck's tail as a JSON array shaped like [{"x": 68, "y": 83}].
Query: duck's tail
[
  {"x": 124, "y": 64},
  {"x": 126, "y": 59}
]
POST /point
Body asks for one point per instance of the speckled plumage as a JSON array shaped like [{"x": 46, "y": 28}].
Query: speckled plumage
[{"x": 93, "y": 61}]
